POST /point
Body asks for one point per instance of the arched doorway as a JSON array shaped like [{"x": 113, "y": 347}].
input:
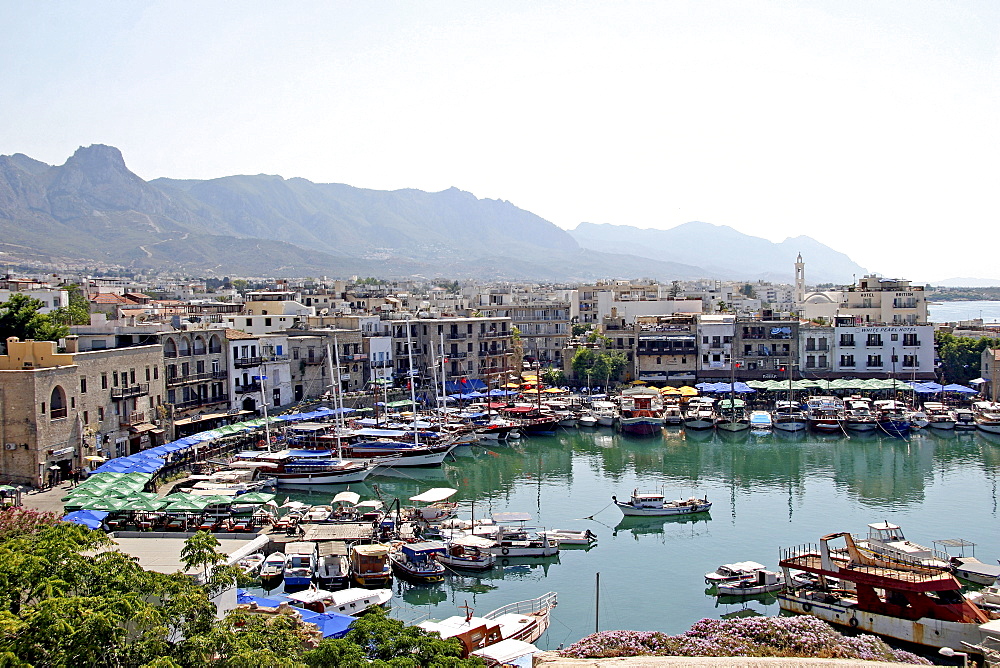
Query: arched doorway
[{"x": 250, "y": 405}]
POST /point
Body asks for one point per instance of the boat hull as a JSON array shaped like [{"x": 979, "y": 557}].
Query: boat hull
[
  {"x": 640, "y": 426},
  {"x": 732, "y": 426},
  {"x": 631, "y": 511},
  {"x": 989, "y": 427},
  {"x": 924, "y": 631},
  {"x": 699, "y": 424},
  {"x": 794, "y": 425},
  {"x": 322, "y": 478}
]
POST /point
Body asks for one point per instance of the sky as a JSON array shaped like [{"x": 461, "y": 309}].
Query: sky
[{"x": 872, "y": 127}]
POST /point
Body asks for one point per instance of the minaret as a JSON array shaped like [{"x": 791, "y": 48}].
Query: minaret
[{"x": 800, "y": 280}]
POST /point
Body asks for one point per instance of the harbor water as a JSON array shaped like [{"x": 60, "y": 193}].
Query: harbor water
[
  {"x": 768, "y": 492},
  {"x": 989, "y": 311}
]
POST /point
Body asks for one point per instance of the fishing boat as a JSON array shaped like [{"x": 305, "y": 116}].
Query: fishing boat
[
  {"x": 370, "y": 565},
  {"x": 351, "y": 601},
  {"x": 306, "y": 467},
  {"x": 300, "y": 564},
  {"x": 938, "y": 415},
  {"x": 587, "y": 419},
  {"x": 515, "y": 541},
  {"x": 893, "y": 417},
  {"x": 731, "y": 415},
  {"x": 740, "y": 570},
  {"x": 641, "y": 411},
  {"x": 417, "y": 562},
  {"x": 251, "y": 563},
  {"x": 789, "y": 416},
  {"x": 524, "y": 621},
  {"x": 672, "y": 414},
  {"x": 858, "y": 416},
  {"x": 470, "y": 553},
  {"x": 825, "y": 414},
  {"x": 498, "y": 428},
  {"x": 438, "y": 507},
  {"x": 887, "y": 597},
  {"x": 654, "y": 504},
  {"x": 334, "y": 567},
  {"x": 761, "y": 582},
  {"x": 700, "y": 414},
  {"x": 965, "y": 419}
]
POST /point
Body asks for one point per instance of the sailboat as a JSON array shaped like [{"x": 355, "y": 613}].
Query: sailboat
[{"x": 731, "y": 413}]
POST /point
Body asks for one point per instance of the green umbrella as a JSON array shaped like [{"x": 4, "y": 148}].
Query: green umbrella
[
  {"x": 190, "y": 504},
  {"x": 143, "y": 505},
  {"x": 104, "y": 504},
  {"x": 254, "y": 497},
  {"x": 217, "y": 499}
]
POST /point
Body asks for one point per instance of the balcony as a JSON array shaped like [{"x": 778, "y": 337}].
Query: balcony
[
  {"x": 249, "y": 387},
  {"x": 198, "y": 402},
  {"x": 457, "y": 335},
  {"x": 196, "y": 378},
  {"x": 312, "y": 360},
  {"x": 274, "y": 358},
  {"x": 129, "y": 392},
  {"x": 245, "y": 362}
]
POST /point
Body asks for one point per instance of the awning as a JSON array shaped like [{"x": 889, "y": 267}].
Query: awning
[
  {"x": 434, "y": 495},
  {"x": 142, "y": 427}
]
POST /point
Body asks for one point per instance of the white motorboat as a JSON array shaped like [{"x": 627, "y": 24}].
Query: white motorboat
[
  {"x": 606, "y": 412},
  {"x": 272, "y": 567},
  {"x": 887, "y": 540},
  {"x": 987, "y": 415},
  {"x": 986, "y": 599},
  {"x": 965, "y": 419},
  {"x": 672, "y": 414},
  {"x": 858, "y": 415},
  {"x": 826, "y": 414},
  {"x": 351, "y": 601},
  {"x": 525, "y": 621},
  {"x": 761, "y": 422},
  {"x": 731, "y": 415},
  {"x": 251, "y": 563},
  {"x": 515, "y": 541},
  {"x": 418, "y": 562},
  {"x": 741, "y": 570},
  {"x": 938, "y": 415},
  {"x": 570, "y": 537},
  {"x": 653, "y": 504},
  {"x": 587, "y": 419}
]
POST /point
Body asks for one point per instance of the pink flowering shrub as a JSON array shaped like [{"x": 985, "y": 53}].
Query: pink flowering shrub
[
  {"x": 801, "y": 636},
  {"x": 20, "y": 521}
]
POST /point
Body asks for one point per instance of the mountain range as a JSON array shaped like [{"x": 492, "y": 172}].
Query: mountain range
[{"x": 93, "y": 210}]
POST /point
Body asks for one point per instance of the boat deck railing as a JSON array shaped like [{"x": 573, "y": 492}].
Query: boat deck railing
[
  {"x": 807, "y": 557},
  {"x": 531, "y": 606}
]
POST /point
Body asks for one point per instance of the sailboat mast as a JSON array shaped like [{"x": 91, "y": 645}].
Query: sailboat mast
[
  {"x": 338, "y": 398},
  {"x": 444, "y": 372},
  {"x": 413, "y": 389}
]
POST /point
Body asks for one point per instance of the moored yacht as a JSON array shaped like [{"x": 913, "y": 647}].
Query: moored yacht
[
  {"x": 987, "y": 416},
  {"x": 700, "y": 414},
  {"x": 731, "y": 415},
  {"x": 858, "y": 415},
  {"x": 938, "y": 415},
  {"x": 788, "y": 416},
  {"x": 641, "y": 411},
  {"x": 826, "y": 414}
]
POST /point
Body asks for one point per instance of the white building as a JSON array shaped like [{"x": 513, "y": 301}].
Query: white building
[
  {"x": 715, "y": 344},
  {"x": 905, "y": 352}
]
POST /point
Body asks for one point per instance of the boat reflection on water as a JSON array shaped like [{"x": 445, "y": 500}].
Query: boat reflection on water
[
  {"x": 420, "y": 593},
  {"x": 518, "y": 567},
  {"x": 768, "y": 598},
  {"x": 639, "y": 526}
]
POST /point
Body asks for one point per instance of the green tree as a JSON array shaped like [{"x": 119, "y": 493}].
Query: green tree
[
  {"x": 961, "y": 356},
  {"x": 553, "y": 377},
  {"x": 201, "y": 549},
  {"x": 78, "y": 310},
  {"x": 20, "y": 317},
  {"x": 383, "y": 639},
  {"x": 579, "y": 329}
]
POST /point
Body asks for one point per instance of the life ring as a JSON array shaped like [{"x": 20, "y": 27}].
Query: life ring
[
  {"x": 505, "y": 562},
  {"x": 807, "y": 606},
  {"x": 504, "y": 550},
  {"x": 853, "y": 622}
]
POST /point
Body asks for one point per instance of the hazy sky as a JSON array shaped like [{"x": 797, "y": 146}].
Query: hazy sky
[{"x": 873, "y": 127}]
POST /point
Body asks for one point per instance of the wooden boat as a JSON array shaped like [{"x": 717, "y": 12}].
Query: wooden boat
[
  {"x": 352, "y": 601},
  {"x": 417, "y": 562},
  {"x": 700, "y": 414},
  {"x": 887, "y": 597},
  {"x": 858, "y": 415},
  {"x": 524, "y": 621},
  {"x": 653, "y": 504},
  {"x": 789, "y": 417},
  {"x": 887, "y": 539},
  {"x": 469, "y": 553},
  {"x": 307, "y": 467},
  {"x": 641, "y": 411},
  {"x": 370, "y": 565},
  {"x": 740, "y": 570},
  {"x": 731, "y": 415},
  {"x": 606, "y": 413},
  {"x": 826, "y": 414},
  {"x": 892, "y": 416},
  {"x": 762, "y": 582},
  {"x": 251, "y": 563}
]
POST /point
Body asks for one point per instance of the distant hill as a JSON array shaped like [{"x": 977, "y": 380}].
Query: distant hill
[
  {"x": 93, "y": 209},
  {"x": 724, "y": 251},
  {"x": 967, "y": 283}
]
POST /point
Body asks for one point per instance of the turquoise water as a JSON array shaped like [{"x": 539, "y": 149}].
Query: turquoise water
[
  {"x": 768, "y": 492},
  {"x": 953, "y": 311}
]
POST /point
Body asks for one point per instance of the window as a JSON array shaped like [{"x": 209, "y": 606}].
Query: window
[
  {"x": 156, "y": 373},
  {"x": 894, "y": 337},
  {"x": 114, "y": 379},
  {"x": 822, "y": 360},
  {"x": 846, "y": 339},
  {"x": 100, "y": 414},
  {"x": 148, "y": 374},
  {"x": 86, "y": 417},
  {"x": 83, "y": 385},
  {"x": 847, "y": 360},
  {"x": 874, "y": 361},
  {"x": 267, "y": 322},
  {"x": 910, "y": 361},
  {"x": 875, "y": 340},
  {"x": 910, "y": 340},
  {"x": 57, "y": 403},
  {"x": 810, "y": 361}
]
